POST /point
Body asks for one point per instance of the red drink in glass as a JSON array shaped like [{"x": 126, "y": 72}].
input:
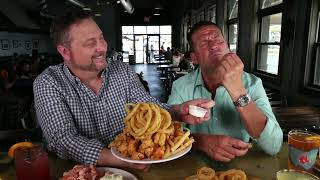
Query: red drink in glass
[{"x": 32, "y": 164}]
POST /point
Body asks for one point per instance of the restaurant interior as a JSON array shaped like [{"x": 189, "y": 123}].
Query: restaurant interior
[{"x": 277, "y": 40}]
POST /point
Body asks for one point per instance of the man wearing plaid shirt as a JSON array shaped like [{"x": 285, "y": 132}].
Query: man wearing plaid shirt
[{"x": 80, "y": 103}]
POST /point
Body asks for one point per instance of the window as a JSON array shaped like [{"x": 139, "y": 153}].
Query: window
[
  {"x": 193, "y": 19},
  {"x": 152, "y": 29},
  {"x": 268, "y": 46},
  {"x": 127, "y": 29},
  {"x": 232, "y": 9},
  {"x": 127, "y": 46},
  {"x": 140, "y": 29},
  {"x": 165, "y": 37},
  {"x": 315, "y": 78},
  {"x": 232, "y": 24},
  {"x": 269, "y": 3},
  {"x": 165, "y": 29},
  {"x": 233, "y": 37},
  {"x": 211, "y": 14}
]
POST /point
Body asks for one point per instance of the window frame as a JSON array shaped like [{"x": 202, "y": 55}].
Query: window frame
[
  {"x": 261, "y": 14},
  {"x": 313, "y": 46},
  {"x": 312, "y": 70},
  {"x": 231, "y": 22}
]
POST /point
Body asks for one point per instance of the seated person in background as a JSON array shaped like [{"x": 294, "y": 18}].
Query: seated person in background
[
  {"x": 114, "y": 54},
  {"x": 80, "y": 103},
  {"x": 24, "y": 71},
  {"x": 176, "y": 57},
  {"x": 186, "y": 62},
  {"x": 168, "y": 54},
  {"x": 242, "y": 110}
]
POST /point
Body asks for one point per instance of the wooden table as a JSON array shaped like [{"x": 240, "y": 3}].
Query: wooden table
[{"x": 256, "y": 163}]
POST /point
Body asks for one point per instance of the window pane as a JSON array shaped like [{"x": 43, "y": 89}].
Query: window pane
[
  {"x": 201, "y": 16},
  {"x": 233, "y": 37},
  {"x": 139, "y": 48},
  {"x": 153, "y": 29},
  {"x": 232, "y": 9},
  {"x": 127, "y": 29},
  {"x": 316, "y": 78},
  {"x": 211, "y": 14},
  {"x": 153, "y": 43},
  {"x": 140, "y": 30},
  {"x": 269, "y": 3},
  {"x": 271, "y": 28},
  {"x": 165, "y": 29},
  {"x": 213, "y": 18},
  {"x": 193, "y": 20},
  {"x": 268, "y": 58},
  {"x": 127, "y": 47},
  {"x": 165, "y": 41}
]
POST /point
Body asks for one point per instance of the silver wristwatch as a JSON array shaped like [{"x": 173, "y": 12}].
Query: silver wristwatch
[{"x": 242, "y": 101}]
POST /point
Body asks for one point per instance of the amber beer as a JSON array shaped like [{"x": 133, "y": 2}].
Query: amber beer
[{"x": 302, "y": 150}]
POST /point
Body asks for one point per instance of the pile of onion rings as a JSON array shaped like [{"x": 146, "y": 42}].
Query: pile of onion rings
[
  {"x": 206, "y": 173},
  {"x": 150, "y": 133}
]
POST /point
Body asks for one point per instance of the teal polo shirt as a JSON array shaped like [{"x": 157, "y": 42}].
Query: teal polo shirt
[{"x": 225, "y": 119}]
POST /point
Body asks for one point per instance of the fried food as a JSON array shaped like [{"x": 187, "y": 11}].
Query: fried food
[
  {"x": 150, "y": 133},
  {"x": 206, "y": 173}
]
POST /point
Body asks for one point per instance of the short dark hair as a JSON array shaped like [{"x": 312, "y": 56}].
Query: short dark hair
[
  {"x": 61, "y": 25},
  {"x": 196, "y": 27}
]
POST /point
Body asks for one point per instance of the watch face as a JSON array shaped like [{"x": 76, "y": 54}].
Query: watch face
[{"x": 243, "y": 101}]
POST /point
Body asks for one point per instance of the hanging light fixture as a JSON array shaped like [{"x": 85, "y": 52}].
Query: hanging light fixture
[
  {"x": 127, "y": 6},
  {"x": 77, "y": 3}
]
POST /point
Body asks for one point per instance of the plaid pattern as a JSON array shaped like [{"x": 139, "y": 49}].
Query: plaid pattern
[{"x": 77, "y": 123}]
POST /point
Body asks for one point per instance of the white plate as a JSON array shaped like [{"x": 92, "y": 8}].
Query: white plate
[
  {"x": 125, "y": 174},
  {"x": 118, "y": 155}
]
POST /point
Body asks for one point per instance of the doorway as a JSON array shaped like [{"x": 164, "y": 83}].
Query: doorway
[
  {"x": 153, "y": 47},
  {"x": 146, "y": 48},
  {"x": 143, "y": 42}
]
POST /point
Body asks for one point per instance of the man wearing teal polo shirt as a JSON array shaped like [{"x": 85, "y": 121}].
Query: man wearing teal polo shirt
[{"x": 242, "y": 110}]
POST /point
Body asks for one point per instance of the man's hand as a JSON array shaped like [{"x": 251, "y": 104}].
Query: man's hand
[
  {"x": 231, "y": 71},
  {"x": 220, "y": 147},
  {"x": 107, "y": 159},
  {"x": 181, "y": 111}
]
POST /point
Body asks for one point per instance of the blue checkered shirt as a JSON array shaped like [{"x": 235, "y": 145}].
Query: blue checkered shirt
[{"x": 77, "y": 124}]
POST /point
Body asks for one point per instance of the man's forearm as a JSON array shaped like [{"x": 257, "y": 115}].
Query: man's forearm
[
  {"x": 198, "y": 141},
  {"x": 104, "y": 157},
  {"x": 253, "y": 118}
]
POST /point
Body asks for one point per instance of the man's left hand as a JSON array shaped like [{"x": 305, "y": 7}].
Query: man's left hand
[{"x": 181, "y": 111}]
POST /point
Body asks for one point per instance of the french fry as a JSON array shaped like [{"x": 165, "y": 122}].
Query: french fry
[
  {"x": 188, "y": 143},
  {"x": 180, "y": 141},
  {"x": 180, "y": 148},
  {"x": 170, "y": 142}
]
